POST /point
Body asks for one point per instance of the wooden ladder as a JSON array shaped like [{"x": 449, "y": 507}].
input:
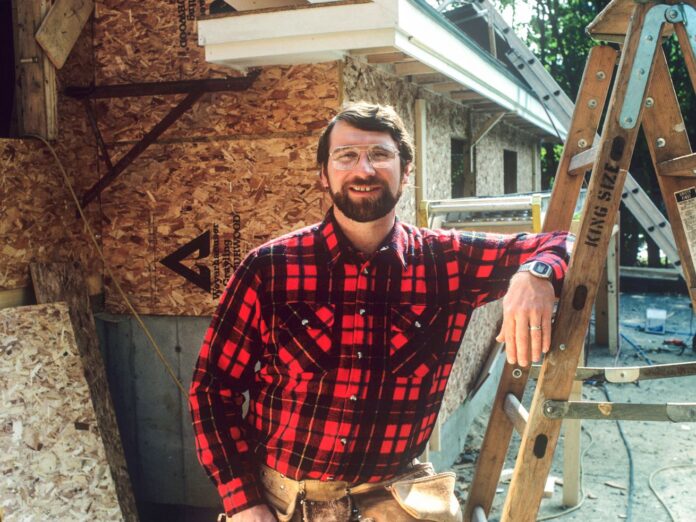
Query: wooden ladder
[{"x": 643, "y": 94}]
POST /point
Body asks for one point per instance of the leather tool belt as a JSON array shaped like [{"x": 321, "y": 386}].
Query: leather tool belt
[{"x": 417, "y": 494}]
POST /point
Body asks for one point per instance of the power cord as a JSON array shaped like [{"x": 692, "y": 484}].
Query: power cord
[
  {"x": 92, "y": 236},
  {"x": 652, "y": 486}
]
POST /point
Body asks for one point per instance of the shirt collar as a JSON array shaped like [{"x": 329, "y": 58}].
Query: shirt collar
[{"x": 337, "y": 244}]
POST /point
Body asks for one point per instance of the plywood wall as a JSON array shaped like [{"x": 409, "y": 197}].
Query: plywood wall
[
  {"x": 38, "y": 220},
  {"x": 53, "y": 458},
  {"x": 233, "y": 172}
]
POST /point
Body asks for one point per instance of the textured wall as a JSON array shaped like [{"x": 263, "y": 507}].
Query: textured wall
[{"x": 489, "y": 159}]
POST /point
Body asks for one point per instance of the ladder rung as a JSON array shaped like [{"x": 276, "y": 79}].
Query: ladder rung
[
  {"x": 517, "y": 413},
  {"x": 624, "y": 374},
  {"x": 682, "y": 166},
  {"x": 479, "y": 515},
  {"x": 582, "y": 161}
]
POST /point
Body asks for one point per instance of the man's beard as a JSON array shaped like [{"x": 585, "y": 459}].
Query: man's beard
[{"x": 365, "y": 210}]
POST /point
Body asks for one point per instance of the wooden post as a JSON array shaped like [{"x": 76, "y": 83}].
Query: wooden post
[{"x": 36, "y": 76}]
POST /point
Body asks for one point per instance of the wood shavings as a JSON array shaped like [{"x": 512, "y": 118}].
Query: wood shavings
[{"x": 52, "y": 471}]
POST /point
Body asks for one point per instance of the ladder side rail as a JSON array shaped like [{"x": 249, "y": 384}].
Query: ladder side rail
[
  {"x": 601, "y": 205},
  {"x": 665, "y": 133},
  {"x": 558, "y": 216}
]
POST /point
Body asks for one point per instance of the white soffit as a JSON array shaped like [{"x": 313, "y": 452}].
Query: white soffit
[{"x": 327, "y": 31}]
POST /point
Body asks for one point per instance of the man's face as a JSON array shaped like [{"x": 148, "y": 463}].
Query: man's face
[{"x": 364, "y": 192}]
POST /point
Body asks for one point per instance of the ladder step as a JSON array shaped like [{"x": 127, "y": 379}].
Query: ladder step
[
  {"x": 479, "y": 515},
  {"x": 623, "y": 374},
  {"x": 582, "y": 162},
  {"x": 683, "y": 166},
  {"x": 517, "y": 413}
]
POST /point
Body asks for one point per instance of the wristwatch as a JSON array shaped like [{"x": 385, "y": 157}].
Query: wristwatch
[{"x": 538, "y": 269}]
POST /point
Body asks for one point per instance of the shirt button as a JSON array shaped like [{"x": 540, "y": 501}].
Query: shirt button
[
  {"x": 366, "y": 271},
  {"x": 359, "y": 355},
  {"x": 353, "y": 398},
  {"x": 418, "y": 325},
  {"x": 305, "y": 322},
  {"x": 362, "y": 311},
  {"x": 344, "y": 441}
]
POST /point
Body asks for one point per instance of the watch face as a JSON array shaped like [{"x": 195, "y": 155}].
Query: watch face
[{"x": 541, "y": 269}]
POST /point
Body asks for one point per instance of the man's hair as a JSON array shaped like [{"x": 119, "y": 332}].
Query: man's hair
[{"x": 369, "y": 117}]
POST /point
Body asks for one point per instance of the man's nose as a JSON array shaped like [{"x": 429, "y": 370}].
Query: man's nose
[{"x": 364, "y": 163}]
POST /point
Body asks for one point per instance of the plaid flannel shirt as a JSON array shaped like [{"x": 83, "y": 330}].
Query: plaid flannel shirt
[{"x": 345, "y": 358}]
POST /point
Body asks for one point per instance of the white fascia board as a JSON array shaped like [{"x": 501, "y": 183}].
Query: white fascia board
[
  {"x": 421, "y": 37},
  {"x": 295, "y": 50},
  {"x": 323, "y": 19}
]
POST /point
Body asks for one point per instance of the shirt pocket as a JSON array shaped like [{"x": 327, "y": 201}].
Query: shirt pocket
[
  {"x": 304, "y": 337},
  {"x": 414, "y": 343}
]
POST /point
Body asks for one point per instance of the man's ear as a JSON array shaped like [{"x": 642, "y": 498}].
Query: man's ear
[
  {"x": 324, "y": 178},
  {"x": 407, "y": 172}
]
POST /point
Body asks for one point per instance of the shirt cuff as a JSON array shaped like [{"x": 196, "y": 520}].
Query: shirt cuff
[{"x": 240, "y": 493}]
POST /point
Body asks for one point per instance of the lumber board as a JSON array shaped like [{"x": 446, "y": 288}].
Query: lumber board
[
  {"x": 579, "y": 291},
  {"x": 663, "y": 120},
  {"x": 64, "y": 282},
  {"x": 36, "y": 77},
  {"x": 53, "y": 459},
  {"x": 61, "y": 28}
]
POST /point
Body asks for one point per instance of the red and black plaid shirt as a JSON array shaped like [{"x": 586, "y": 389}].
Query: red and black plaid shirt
[{"x": 345, "y": 358}]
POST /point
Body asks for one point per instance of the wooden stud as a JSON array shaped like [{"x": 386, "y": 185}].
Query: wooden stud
[
  {"x": 466, "y": 96},
  {"x": 445, "y": 87},
  {"x": 36, "y": 77}
]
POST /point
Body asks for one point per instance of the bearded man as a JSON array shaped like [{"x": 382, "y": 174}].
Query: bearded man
[{"x": 344, "y": 334}]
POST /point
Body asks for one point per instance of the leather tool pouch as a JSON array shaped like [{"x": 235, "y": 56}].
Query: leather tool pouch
[
  {"x": 428, "y": 498},
  {"x": 339, "y": 510},
  {"x": 281, "y": 494}
]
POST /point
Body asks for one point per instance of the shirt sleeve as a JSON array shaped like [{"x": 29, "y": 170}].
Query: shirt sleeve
[
  {"x": 224, "y": 371},
  {"x": 488, "y": 261}
]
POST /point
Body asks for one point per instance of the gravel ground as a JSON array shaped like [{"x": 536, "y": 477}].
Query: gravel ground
[{"x": 653, "y": 445}]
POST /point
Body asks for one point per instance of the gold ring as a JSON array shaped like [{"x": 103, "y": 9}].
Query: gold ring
[{"x": 535, "y": 327}]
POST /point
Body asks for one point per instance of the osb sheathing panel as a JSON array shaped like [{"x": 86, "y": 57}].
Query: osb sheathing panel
[
  {"x": 237, "y": 169},
  {"x": 53, "y": 460},
  {"x": 37, "y": 217},
  {"x": 241, "y": 192}
]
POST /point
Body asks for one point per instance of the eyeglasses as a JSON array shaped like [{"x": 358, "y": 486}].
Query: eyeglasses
[{"x": 347, "y": 157}]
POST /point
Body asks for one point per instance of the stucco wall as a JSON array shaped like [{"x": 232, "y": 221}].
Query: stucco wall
[{"x": 489, "y": 158}]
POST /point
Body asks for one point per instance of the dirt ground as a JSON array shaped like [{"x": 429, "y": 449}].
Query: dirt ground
[{"x": 653, "y": 445}]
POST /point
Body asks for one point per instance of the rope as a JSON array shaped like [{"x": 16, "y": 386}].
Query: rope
[{"x": 92, "y": 236}]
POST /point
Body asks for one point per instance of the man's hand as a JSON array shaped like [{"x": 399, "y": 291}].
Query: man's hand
[
  {"x": 527, "y": 305},
  {"x": 259, "y": 513}
]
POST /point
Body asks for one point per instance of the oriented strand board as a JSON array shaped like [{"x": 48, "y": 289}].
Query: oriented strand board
[
  {"x": 53, "y": 459},
  {"x": 238, "y": 195},
  {"x": 64, "y": 282},
  {"x": 38, "y": 221}
]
